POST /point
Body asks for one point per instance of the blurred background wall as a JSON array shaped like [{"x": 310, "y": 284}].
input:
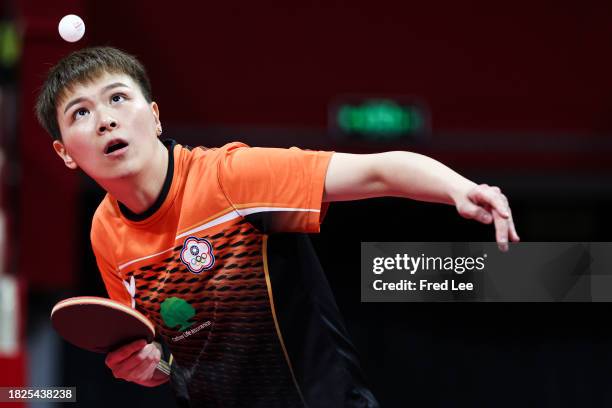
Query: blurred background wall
[{"x": 517, "y": 95}]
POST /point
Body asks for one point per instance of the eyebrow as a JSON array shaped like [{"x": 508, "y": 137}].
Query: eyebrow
[{"x": 105, "y": 89}]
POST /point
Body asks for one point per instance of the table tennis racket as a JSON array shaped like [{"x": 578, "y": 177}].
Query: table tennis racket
[{"x": 99, "y": 324}]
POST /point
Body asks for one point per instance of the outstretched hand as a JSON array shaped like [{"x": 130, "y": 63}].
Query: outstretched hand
[{"x": 487, "y": 205}]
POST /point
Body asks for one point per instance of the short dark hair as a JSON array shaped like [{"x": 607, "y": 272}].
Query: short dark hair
[{"x": 80, "y": 67}]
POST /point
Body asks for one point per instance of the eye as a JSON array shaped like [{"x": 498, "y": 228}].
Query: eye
[
  {"x": 79, "y": 113},
  {"x": 117, "y": 98}
]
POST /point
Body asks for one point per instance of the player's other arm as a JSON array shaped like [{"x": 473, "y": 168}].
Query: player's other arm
[{"x": 418, "y": 177}]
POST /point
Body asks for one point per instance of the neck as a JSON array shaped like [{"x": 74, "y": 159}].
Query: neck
[{"x": 139, "y": 191}]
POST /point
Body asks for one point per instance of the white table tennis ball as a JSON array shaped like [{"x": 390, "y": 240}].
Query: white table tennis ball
[{"x": 71, "y": 28}]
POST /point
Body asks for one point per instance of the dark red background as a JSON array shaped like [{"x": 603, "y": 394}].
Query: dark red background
[
  {"x": 522, "y": 89},
  {"x": 522, "y": 66},
  {"x": 516, "y": 74}
]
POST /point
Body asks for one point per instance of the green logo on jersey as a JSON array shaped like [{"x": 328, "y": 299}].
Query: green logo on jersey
[{"x": 176, "y": 311}]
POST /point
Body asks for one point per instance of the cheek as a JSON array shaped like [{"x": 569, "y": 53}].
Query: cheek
[
  {"x": 76, "y": 130},
  {"x": 142, "y": 117},
  {"x": 79, "y": 141}
]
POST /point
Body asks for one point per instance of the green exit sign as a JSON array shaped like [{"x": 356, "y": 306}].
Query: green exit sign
[{"x": 378, "y": 119}]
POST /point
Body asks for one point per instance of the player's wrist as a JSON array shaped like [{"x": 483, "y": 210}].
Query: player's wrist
[{"x": 458, "y": 192}]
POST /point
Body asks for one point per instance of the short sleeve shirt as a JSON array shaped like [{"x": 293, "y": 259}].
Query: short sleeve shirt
[{"x": 222, "y": 267}]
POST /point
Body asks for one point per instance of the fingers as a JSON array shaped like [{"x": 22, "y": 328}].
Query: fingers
[
  {"x": 488, "y": 204},
  {"x": 502, "y": 228},
  {"x": 124, "y": 352},
  {"x": 474, "y": 212},
  {"x": 133, "y": 361},
  {"x": 505, "y": 231},
  {"x": 140, "y": 367},
  {"x": 146, "y": 368},
  {"x": 491, "y": 196},
  {"x": 513, "y": 234},
  {"x": 124, "y": 368}
]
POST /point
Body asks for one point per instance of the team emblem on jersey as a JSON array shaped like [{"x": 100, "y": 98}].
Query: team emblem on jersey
[{"x": 197, "y": 254}]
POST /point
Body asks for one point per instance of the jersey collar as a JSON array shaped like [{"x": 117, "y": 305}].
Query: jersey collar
[{"x": 169, "y": 143}]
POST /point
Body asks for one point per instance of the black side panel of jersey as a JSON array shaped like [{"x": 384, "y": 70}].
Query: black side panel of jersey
[
  {"x": 270, "y": 222},
  {"x": 323, "y": 358}
]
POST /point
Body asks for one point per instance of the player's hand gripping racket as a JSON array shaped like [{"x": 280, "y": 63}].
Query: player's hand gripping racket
[{"x": 101, "y": 325}]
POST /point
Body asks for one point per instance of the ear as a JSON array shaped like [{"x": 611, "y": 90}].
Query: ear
[
  {"x": 155, "y": 110},
  {"x": 61, "y": 152},
  {"x": 158, "y": 126}
]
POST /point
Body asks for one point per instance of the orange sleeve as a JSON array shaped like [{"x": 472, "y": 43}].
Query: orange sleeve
[
  {"x": 279, "y": 189},
  {"x": 110, "y": 275}
]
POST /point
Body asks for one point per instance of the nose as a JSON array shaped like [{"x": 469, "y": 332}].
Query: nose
[{"x": 107, "y": 124}]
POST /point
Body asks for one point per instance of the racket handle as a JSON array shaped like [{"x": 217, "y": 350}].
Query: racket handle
[{"x": 164, "y": 367}]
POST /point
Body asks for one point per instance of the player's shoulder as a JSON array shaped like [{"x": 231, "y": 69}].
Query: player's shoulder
[
  {"x": 211, "y": 152},
  {"x": 208, "y": 157},
  {"x": 230, "y": 147}
]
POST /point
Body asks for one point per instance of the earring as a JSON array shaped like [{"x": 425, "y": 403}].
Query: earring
[{"x": 159, "y": 131}]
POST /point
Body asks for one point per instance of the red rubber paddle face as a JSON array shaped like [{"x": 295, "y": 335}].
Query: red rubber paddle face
[{"x": 98, "y": 324}]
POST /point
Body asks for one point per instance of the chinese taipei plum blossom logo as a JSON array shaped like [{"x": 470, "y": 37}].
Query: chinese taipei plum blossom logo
[{"x": 197, "y": 254}]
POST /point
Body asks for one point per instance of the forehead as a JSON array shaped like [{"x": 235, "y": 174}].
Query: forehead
[{"x": 91, "y": 88}]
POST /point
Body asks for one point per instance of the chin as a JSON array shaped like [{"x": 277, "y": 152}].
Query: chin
[
  {"x": 126, "y": 172},
  {"x": 121, "y": 171}
]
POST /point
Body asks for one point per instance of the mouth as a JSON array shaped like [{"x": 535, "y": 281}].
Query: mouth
[{"x": 115, "y": 147}]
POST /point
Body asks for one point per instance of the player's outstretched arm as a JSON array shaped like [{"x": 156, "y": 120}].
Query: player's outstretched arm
[
  {"x": 137, "y": 362},
  {"x": 412, "y": 175}
]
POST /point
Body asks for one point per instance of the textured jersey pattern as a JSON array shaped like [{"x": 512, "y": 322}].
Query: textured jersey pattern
[{"x": 217, "y": 321}]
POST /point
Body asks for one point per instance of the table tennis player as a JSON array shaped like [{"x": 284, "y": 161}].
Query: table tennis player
[{"x": 210, "y": 244}]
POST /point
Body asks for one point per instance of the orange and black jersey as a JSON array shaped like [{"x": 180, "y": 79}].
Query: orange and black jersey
[{"x": 221, "y": 265}]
